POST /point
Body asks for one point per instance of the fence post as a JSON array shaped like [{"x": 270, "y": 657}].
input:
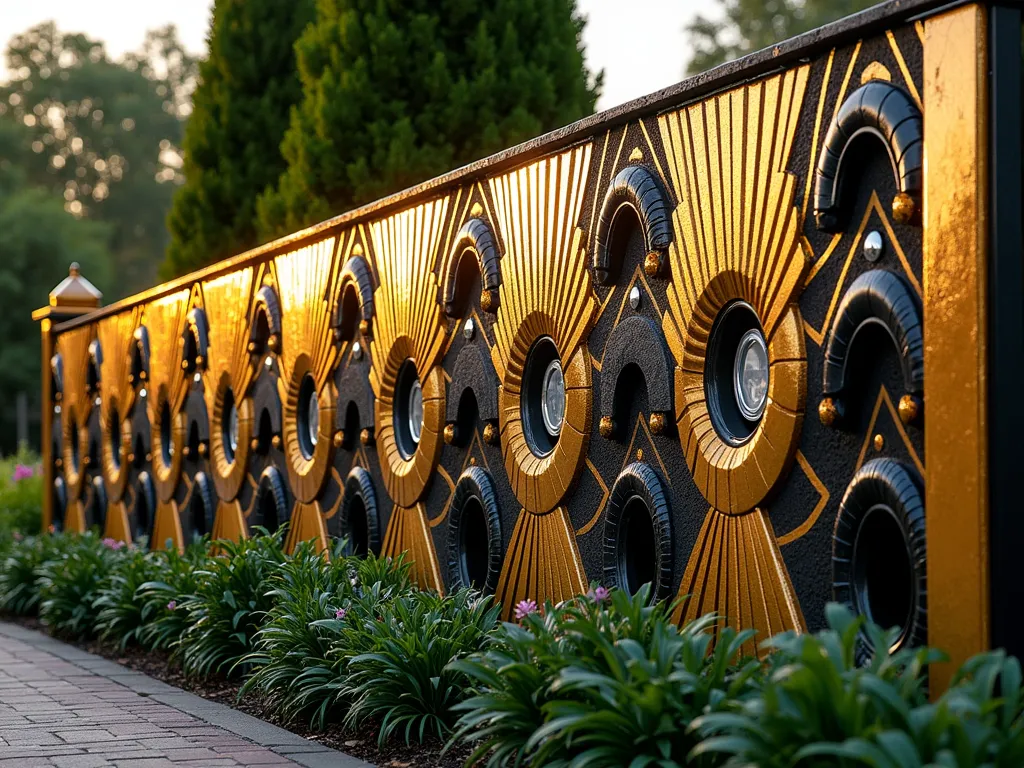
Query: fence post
[{"x": 72, "y": 297}]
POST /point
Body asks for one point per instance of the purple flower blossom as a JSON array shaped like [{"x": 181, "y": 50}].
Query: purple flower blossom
[
  {"x": 172, "y": 605},
  {"x": 22, "y": 472},
  {"x": 18, "y": 536},
  {"x": 524, "y": 608},
  {"x": 600, "y": 594},
  {"x": 339, "y": 614},
  {"x": 113, "y": 544}
]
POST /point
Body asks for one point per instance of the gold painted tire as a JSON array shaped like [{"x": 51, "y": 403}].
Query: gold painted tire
[
  {"x": 166, "y": 469},
  {"x": 115, "y": 468},
  {"x": 541, "y": 482},
  {"x": 74, "y": 436},
  {"x": 229, "y": 472},
  {"x": 406, "y": 479},
  {"x": 306, "y": 474}
]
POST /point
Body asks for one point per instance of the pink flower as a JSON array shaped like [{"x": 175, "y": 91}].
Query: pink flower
[
  {"x": 339, "y": 614},
  {"x": 600, "y": 594},
  {"x": 52, "y": 528},
  {"x": 113, "y": 544},
  {"x": 21, "y": 472},
  {"x": 172, "y": 605},
  {"x": 524, "y": 608},
  {"x": 18, "y": 536}
]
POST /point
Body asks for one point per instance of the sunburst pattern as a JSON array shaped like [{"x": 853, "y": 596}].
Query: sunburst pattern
[
  {"x": 546, "y": 291},
  {"x": 737, "y": 238},
  {"x": 229, "y": 367},
  {"x": 118, "y": 398},
  {"x": 408, "y": 531},
  {"x": 165, "y": 320},
  {"x": 542, "y": 562},
  {"x": 76, "y": 405},
  {"x": 408, "y": 325},
  {"x": 305, "y": 281}
]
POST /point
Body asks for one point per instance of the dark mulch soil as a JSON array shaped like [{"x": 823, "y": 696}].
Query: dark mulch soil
[{"x": 157, "y": 664}]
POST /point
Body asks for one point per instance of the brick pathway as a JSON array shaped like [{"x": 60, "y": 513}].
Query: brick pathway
[{"x": 61, "y": 707}]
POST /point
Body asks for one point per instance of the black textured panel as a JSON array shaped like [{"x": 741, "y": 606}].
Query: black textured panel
[
  {"x": 639, "y": 342},
  {"x": 473, "y": 371}
]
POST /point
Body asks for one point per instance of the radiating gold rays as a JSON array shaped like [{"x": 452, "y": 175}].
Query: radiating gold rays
[
  {"x": 118, "y": 394},
  {"x": 542, "y": 562},
  {"x": 736, "y": 570},
  {"x": 737, "y": 239},
  {"x": 228, "y": 375},
  {"x": 408, "y": 531},
  {"x": 307, "y": 524},
  {"x": 76, "y": 405},
  {"x": 408, "y": 325},
  {"x": 168, "y": 386},
  {"x": 306, "y": 288}
]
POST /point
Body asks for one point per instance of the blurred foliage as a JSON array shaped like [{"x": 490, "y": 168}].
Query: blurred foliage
[
  {"x": 247, "y": 87},
  {"x": 98, "y": 137},
  {"x": 395, "y": 93},
  {"x": 744, "y": 26},
  {"x": 21, "y": 494}
]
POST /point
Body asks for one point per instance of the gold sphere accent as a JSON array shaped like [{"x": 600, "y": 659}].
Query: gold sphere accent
[
  {"x": 149, "y": 457},
  {"x": 449, "y": 434},
  {"x": 59, "y": 396},
  {"x": 828, "y": 413},
  {"x": 657, "y": 422},
  {"x": 251, "y": 347},
  {"x": 86, "y": 461},
  {"x": 199, "y": 360},
  {"x": 130, "y": 457},
  {"x": 131, "y": 378},
  {"x": 472, "y": 461},
  {"x": 639, "y": 454},
  {"x": 58, "y": 463},
  {"x": 879, "y": 442},
  {"x": 276, "y": 441},
  {"x": 184, "y": 365},
  {"x": 339, "y": 438},
  {"x": 364, "y": 327},
  {"x": 490, "y": 433},
  {"x": 909, "y": 409},
  {"x": 652, "y": 264},
  {"x": 487, "y": 302},
  {"x": 365, "y": 437},
  {"x": 186, "y": 451},
  {"x": 606, "y": 427},
  {"x": 274, "y": 343},
  {"x": 143, "y": 375},
  {"x": 903, "y": 208},
  {"x": 254, "y": 444},
  {"x": 122, "y": 450},
  {"x": 202, "y": 449}
]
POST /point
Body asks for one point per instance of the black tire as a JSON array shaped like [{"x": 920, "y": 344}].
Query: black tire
[
  {"x": 638, "y": 548},
  {"x": 358, "y": 517},
  {"x": 270, "y": 509},
  {"x": 879, "y": 555},
  {"x": 474, "y": 511},
  {"x": 96, "y": 512},
  {"x": 202, "y": 507},
  {"x": 143, "y": 512},
  {"x": 60, "y": 504}
]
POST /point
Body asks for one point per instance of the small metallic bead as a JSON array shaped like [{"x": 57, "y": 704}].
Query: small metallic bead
[
  {"x": 86, "y": 461},
  {"x": 200, "y": 360},
  {"x": 879, "y": 442},
  {"x": 357, "y": 351},
  {"x": 606, "y": 427},
  {"x": 274, "y": 342},
  {"x": 903, "y": 208},
  {"x": 364, "y": 327},
  {"x": 203, "y": 449},
  {"x": 490, "y": 433},
  {"x": 251, "y": 347},
  {"x": 130, "y": 457},
  {"x": 184, "y": 365},
  {"x": 339, "y": 438},
  {"x": 276, "y": 441},
  {"x": 449, "y": 434},
  {"x": 874, "y": 246},
  {"x": 149, "y": 457},
  {"x": 652, "y": 264},
  {"x": 488, "y": 301},
  {"x": 828, "y": 413},
  {"x": 634, "y": 296},
  {"x": 254, "y": 444},
  {"x": 131, "y": 378},
  {"x": 143, "y": 375},
  {"x": 468, "y": 328},
  {"x": 909, "y": 408},
  {"x": 58, "y": 462},
  {"x": 365, "y": 437},
  {"x": 186, "y": 451},
  {"x": 657, "y": 422}
]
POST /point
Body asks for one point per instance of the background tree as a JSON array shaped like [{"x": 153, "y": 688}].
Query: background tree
[
  {"x": 102, "y": 136},
  {"x": 750, "y": 25},
  {"x": 232, "y": 142},
  {"x": 394, "y": 93}
]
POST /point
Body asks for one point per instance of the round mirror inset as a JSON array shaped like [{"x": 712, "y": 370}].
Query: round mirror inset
[
  {"x": 736, "y": 373},
  {"x": 408, "y": 410},
  {"x": 750, "y": 375},
  {"x": 543, "y": 400},
  {"x": 308, "y": 416}
]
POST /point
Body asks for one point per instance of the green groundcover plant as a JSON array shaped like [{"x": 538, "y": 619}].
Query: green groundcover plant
[{"x": 606, "y": 679}]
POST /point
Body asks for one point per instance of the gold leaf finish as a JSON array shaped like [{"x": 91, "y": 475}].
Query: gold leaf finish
[
  {"x": 305, "y": 283},
  {"x": 737, "y": 571},
  {"x": 229, "y": 366},
  {"x": 408, "y": 531},
  {"x": 76, "y": 405},
  {"x": 737, "y": 238},
  {"x": 168, "y": 383},
  {"x": 408, "y": 326},
  {"x": 307, "y": 524},
  {"x": 117, "y": 397},
  {"x": 546, "y": 291},
  {"x": 542, "y": 562}
]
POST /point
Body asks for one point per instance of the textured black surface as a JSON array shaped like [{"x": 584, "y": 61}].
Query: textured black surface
[
  {"x": 472, "y": 373},
  {"x": 636, "y": 347},
  {"x": 475, "y": 239},
  {"x": 638, "y": 190}
]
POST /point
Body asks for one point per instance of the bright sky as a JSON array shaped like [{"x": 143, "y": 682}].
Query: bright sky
[{"x": 639, "y": 44}]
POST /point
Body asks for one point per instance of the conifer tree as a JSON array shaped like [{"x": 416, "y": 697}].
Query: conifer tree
[
  {"x": 397, "y": 92},
  {"x": 232, "y": 140}
]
